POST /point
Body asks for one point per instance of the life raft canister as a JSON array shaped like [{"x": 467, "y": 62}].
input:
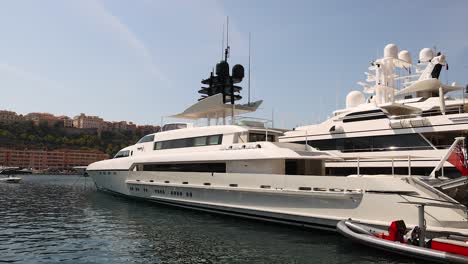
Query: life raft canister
[{"x": 396, "y": 232}]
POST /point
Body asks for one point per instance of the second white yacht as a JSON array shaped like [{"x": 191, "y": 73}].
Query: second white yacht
[{"x": 408, "y": 112}]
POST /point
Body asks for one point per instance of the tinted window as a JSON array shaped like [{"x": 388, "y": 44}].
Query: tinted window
[
  {"x": 199, "y": 141},
  {"x": 187, "y": 167},
  {"x": 254, "y": 137},
  {"x": 122, "y": 154},
  {"x": 169, "y": 127},
  {"x": 189, "y": 142},
  {"x": 376, "y": 143},
  {"x": 402, "y": 142},
  {"x": 364, "y": 115},
  {"x": 148, "y": 138},
  {"x": 214, "y": 140}
]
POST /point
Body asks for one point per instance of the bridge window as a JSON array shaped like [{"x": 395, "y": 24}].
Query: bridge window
[
  {"x": 147, "y": 138},
  {"x": 122, "y": 154},
  {"x": 189, "y": 142},
  {"x": 254, "y": 137}
]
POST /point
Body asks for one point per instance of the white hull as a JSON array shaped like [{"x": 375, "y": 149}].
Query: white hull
[{"x": 329, "y": 200}]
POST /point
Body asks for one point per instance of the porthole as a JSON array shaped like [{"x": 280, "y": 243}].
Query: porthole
[
  {"x": 320, "y": 189},
  {"x": 166, "y": 181},
  {"x": 207, "y": 183},
  {"x": 265, "y": 186},
  {"x": 185, "y": 183},
  {"x": 233, "y": 185},
  {"x": 305, "y": 189},
  {"x": 151, "y": 180}
]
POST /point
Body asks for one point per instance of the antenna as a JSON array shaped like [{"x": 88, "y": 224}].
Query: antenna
[
  {"x": 248, "y": 80},
  {"x": 226, "y": 51},
  {"x": 222, "y": 44}
]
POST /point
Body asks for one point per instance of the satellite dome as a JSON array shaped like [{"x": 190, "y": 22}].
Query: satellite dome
[
  {"x": 391, "y": 51},
  {"x": 355, "y": 98},
  {"x": 404, "y": 55},
  {"x": 222, "y": 69},
  {"x": 426, "y": 55}
]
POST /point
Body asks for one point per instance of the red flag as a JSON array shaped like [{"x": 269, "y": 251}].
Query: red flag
[{"x": 457, "y": 159}]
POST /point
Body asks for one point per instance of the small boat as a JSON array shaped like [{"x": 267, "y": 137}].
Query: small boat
[
  {"x": 447, "y": 249},
  {"x": 11, "y": 179}
]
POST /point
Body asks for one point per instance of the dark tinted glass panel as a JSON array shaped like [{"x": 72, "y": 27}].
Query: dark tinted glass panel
[
  {"x": 291, "y": 167},
  {"x": 186, "y": 167},
  {"x": 189, "y": 142},
  {"x": 377, "y": 143},
  {"x": 365, "y": 112},
  {"x": 254, "y": 137},
  {"x": 122, "y": 154},
  {"x": 400, "y": 142},
  {"x": 148, "y": 138},
  {"x": 363, "y": 118},
  {"x": 443, "y": 140}
]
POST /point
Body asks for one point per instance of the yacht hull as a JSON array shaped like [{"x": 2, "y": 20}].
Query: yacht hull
[{"x": 309, "y": 201}]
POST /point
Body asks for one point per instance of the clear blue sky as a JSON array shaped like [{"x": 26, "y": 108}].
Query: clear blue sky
[{"x": 140, "y": 60}]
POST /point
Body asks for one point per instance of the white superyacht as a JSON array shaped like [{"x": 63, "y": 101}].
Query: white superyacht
[
  {"x": 242, "y": 170},
  {"x": 404, "y": 110}
]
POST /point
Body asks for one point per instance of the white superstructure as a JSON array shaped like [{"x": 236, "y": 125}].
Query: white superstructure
[{"x": 404, "y": 110}]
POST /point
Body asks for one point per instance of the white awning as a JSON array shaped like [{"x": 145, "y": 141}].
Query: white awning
[{"x": 213, "y": 107}]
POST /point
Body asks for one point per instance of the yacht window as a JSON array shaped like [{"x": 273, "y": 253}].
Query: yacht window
[
  {"x": 147, "y": 138},
  {"x": 199, "y": 141},
  {"x": 174, "y": 126},
  {"x": 375, "y": 143},
  {"x": 400, "y": 142},
  {"x": 254, "y": 137},
  {"x": 122, "y": 154},
  {"x": 214, "y": 140},
  {"x": 189, "y": 142},
  {"x": 187, "y": 167},
  {"x": 158, "y": 145},
  {"x": 365, "y": 112},
  {"x": 304, "y": 167},
  {"x": 364, "y": 115},
  {"x": 444, "y": 139}
]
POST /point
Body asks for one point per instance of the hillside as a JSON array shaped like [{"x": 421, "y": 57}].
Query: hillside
[{"x": 27, "y": 135}]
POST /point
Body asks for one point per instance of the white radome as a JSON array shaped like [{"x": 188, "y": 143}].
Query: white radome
[
  {"x": 426, "y": 55},
  {"x": 391, "y": 51},
  {"x": 404, "y": 55},
  {"x": 355, "y": 98}
]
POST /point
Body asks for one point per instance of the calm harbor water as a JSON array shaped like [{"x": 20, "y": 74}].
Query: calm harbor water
[{"x": 51, "y": 219}]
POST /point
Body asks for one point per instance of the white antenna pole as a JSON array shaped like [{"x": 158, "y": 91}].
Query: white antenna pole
[
  {"x": 272, "y": 117},
  {"x": 249, "y": 75},
  {"x": 222, "y": 45}
]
